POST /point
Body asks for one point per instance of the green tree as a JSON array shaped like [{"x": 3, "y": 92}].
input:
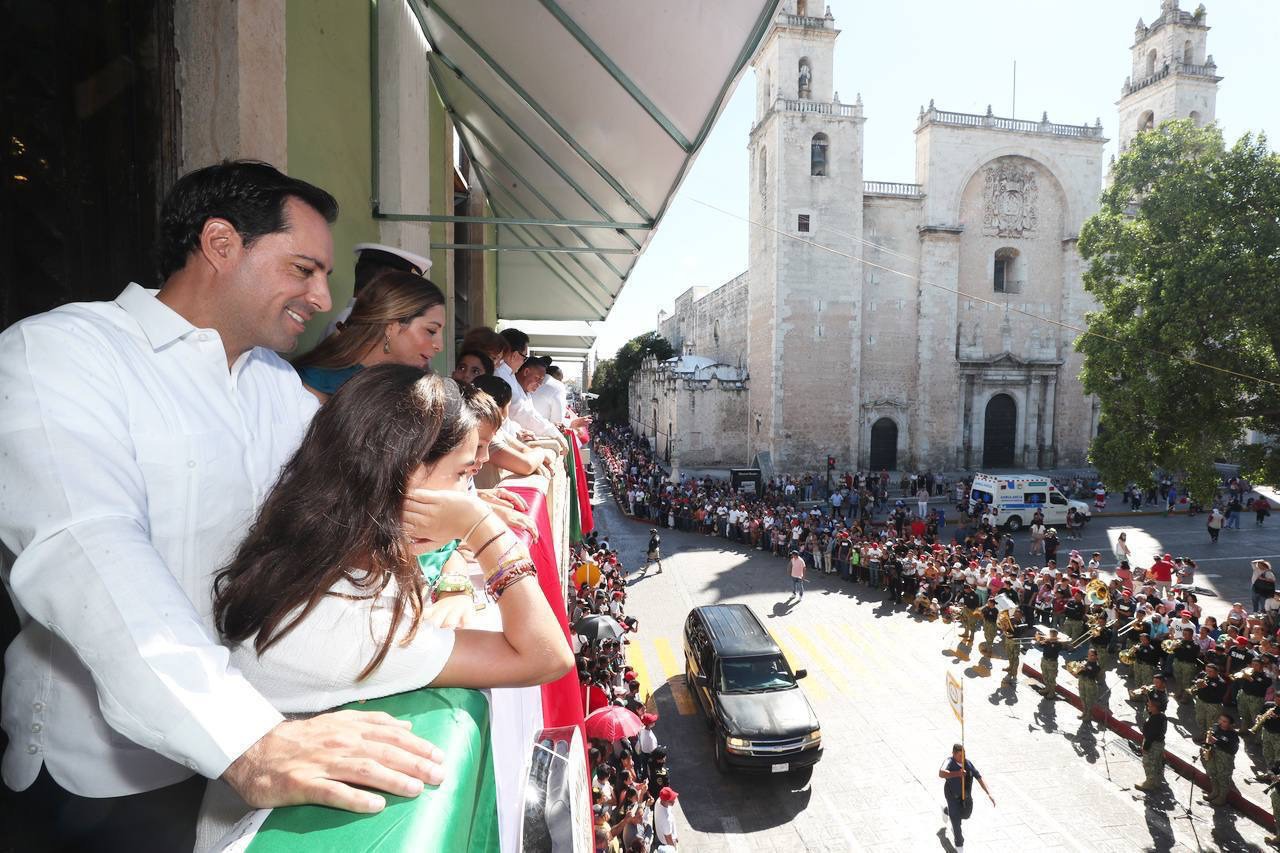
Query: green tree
[
  {"x": 1184, "y": 260},
  {"x": 612, "y": 377}
]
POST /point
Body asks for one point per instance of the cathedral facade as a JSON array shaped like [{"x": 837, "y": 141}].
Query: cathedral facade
[{"x": 927, "y": 325}]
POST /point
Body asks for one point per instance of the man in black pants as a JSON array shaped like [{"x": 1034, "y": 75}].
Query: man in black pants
[
  {"x": 654, "y": 553},
  {"x": 960, "y": 774}
]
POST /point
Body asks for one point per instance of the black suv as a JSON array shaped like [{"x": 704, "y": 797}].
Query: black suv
[{"x": 762, "y": 720}]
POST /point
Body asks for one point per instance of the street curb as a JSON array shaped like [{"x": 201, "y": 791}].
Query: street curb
[{"x": 1255, "y": 812}]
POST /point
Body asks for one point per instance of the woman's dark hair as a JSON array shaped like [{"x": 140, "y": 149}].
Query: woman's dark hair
[
  {"x": 496, "y": 387},
  {"x": 249, "y": 194},
  {"x": 335, "y": 510},
  {"x": 485, "y": 361}
]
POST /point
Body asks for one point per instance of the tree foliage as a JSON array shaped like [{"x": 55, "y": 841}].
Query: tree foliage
[
  {"x": 612, "y": 376},
  {"x": 1183, "y": 259}
]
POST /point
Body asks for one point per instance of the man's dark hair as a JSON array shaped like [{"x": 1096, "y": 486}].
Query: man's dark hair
[
  {"x": 485, "y": 361},
  {"x": 249, "y": 194},
  {"x": 371, "y": 263},
  {"x": 519, "y": 340},
  {"x": 496, "y": 387}
]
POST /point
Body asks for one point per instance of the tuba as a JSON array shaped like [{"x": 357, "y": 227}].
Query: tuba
[
  {"x": 1097, "y": 592},
  {"x": 1127, "y": 656},
  {"x": 1074, "y": 667},
  {"x": 1170, "y": 645}
]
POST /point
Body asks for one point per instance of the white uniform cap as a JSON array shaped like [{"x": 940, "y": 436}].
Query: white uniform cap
[{"x": 414, "y": 258}]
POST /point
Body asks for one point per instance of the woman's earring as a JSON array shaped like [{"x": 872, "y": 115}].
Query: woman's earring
[{"x": 386, "y": 344}]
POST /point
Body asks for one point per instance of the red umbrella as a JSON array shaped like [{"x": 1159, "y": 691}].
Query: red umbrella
[{"x": 613, "y": 723}]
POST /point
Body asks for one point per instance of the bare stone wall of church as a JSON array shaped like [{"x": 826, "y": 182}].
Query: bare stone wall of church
[
  {"x": 711, "y": 323},
  {"x": 713, "y": 425}
]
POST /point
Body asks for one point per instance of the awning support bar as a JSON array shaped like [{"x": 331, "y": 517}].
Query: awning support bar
[
  {"x": 507, "y": 220},
  {"x": 505, "y": 247}
]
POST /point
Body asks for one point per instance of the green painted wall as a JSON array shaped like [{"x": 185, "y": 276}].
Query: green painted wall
[{"x": 327, "y": 63}]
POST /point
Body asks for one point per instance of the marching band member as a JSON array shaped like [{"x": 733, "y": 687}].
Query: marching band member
[
  {"x": 1253, "y": 692},
  {"x": 1090, "y": 684},
  {"x": 1219, "y": 756},
  {"x": 989, "y": 615},
  {"x": 1185, "y": 656},
  {"x": 1012, "y": 647},
  {"x": 1101, "y": 640},
  {"x": 1153, "y": 731},
  {"x": 1050, "y": 649},
  {"x": 1210, "y": 689},
  {"x": 1146, "y": 659}
]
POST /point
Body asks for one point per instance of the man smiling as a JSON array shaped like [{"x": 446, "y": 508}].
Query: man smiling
[{"x": 137, "y": 439}]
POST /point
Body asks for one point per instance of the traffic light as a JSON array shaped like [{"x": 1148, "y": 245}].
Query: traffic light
[{"x": 831, "y": 463}]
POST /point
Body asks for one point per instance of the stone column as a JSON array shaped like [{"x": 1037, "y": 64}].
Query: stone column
[
  {"x": 1051, "y": 410},
  {"x": 1042, "y": 396},
  {"x": 968, "y": 422},
  {"x": 231, "y": 78}
]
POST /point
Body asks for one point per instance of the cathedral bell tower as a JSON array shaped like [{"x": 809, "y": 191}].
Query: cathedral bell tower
[
  {"x": 804, "y": 302},
  {"x": 1174, "y": 77}
]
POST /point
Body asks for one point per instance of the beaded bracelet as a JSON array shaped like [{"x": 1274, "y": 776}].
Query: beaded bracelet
[{"x": 514, "y": 574}]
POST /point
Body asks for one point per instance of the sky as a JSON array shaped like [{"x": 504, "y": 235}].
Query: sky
[{"x": 1072, "y": 59}]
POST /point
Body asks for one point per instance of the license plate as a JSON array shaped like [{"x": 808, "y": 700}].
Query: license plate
[{"x": 781, "y": 768}]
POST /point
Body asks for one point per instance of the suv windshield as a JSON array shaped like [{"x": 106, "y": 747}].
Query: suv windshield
[{"x": 752, "y": 675}]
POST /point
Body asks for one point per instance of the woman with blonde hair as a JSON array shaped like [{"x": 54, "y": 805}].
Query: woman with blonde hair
[{"x": 398, "y": 318}]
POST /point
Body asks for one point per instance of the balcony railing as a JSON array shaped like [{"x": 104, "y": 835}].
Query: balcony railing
[
  {"x": 1208, "y": 70},
  {"x": 1044, "y": 126},
  {"x": 892, "y": 188},
  {"x": 807, "y": 21},
  {"x": 825, "y": 108}
]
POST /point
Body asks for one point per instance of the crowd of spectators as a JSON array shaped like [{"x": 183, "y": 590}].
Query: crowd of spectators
[{"x": 631, "y": 795}]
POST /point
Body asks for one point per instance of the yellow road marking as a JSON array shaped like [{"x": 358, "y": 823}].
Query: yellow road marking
[
  {"x": 839, "y": 649},
  {"x": 635, "y": 660},
  {"x": 673, "y": 674},
  {"x": 812, "y": 687},
  {"x": 832, "y": 671}
]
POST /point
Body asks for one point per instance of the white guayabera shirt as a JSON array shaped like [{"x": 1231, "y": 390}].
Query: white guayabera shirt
[{"x": 131, "y": 463}]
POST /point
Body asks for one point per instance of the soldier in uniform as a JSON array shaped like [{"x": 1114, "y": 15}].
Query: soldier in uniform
[
  {"x": 1153, "y": 732},
  {"x": 1073, "y": 615},
  {"x": 1090, "y": 684},
  {"x": 1209, "y": 694},
  {"x": 1273, "y": 790},
  {"x": 1253, "y": 691},
  {"x": 1146, "y": 660},
  {"x": 1185, "y": 658},
  {"x": 1157, "y": 689},
  {"x": 990, "y": 613},
  {"x": 1013, "y": 648},
  {"x": 1101, "y": 641},
  {"x": 1220, "y": 761},
  {"x": 654, "y": 553},
  {"x": 970, "y": 602},
  {"x": 1050, "y": 649},
  {"x": 1270, "y": 733}
]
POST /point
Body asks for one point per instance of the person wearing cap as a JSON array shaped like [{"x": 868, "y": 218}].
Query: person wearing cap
[
  {"x": 1050, "y": 649},
  {"x": 1253, "y": 692},
  {"x": 957, "y": 790},
  {"x": 1154, "y": 727},
  {"x": 398, "y": 319},
  {"x": 372, "y": 260},
  {"x": 664, "y": 818},
  {"x": 1073, "y": 613},
  {"x": 1185, "y": 657},
  {"x": 1090, "y": 684},
  {"x": 653, "y": 553},
  {"x": 1221, "y": 760},
  {"x": 1209, "y": 694}
]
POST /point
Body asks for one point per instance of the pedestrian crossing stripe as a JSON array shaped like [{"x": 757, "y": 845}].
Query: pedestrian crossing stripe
[
  {"x": 673, "y": 674},
  {"x": 832, "y": 672},
  {"x": 813, "y": 688},
  {"x": 635, "y": 660},
  {"x": 831, "y": 640}
]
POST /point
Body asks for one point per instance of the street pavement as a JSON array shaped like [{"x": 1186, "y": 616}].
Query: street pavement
[{"x": 877, "y": 683}]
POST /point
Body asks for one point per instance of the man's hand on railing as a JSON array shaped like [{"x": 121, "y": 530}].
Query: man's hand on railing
[{"x": 322, "y": 759}]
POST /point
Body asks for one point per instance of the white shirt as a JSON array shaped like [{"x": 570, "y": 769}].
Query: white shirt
[
  {"x": 664, "y": 821},
  {"x": 133, "y": 462},
  {"x": 551, "y": 400},
  {"x": 522, "y": 410}
]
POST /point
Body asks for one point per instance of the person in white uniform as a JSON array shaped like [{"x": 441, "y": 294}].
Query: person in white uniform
[
  {"x": 373, "y": 259},
  {"x": 137, "y": 439}
]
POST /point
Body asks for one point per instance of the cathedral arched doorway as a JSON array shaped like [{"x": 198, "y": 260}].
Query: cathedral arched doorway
[
  {"x": 1000, "y": 432},
  {"x": 884, "y": 445}
]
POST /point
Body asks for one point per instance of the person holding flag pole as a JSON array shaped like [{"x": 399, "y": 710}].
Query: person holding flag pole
[{"x": 959, "y": 772}]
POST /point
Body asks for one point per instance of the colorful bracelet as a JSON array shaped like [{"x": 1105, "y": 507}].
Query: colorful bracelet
[{"x": 515, "y": 574}]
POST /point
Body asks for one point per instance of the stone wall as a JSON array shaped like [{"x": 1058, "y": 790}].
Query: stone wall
[{"x": 710, "y": 322}]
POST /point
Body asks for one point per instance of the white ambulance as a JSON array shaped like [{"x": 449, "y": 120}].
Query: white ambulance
[{"x": 1015, "y": 498}]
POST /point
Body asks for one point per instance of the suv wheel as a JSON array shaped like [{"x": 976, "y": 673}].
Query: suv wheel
[
  {"x": 722, "y": 763},
  {"x": 1014, "y": 524}
]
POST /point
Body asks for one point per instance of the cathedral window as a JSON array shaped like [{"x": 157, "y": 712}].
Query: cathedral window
[
  {"x": 804, "y": 77},
  {"x": 802, "y": 223},
  {"x": 1187, "y": 53},
  {"x": 1195, "y": 118},
  {"x": 1151, "y": 63},
  {"x": 818, "y": 155},
  {"x": 763, "y": 169},
  {"x": 1146, "y": 121},
  {"x": 1005, "y": 272}
]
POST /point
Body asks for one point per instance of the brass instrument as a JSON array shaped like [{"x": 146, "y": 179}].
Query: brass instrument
[
  {"x": 1207, "y": 749},
  {"x": 1127, "y": 656},
  {"x": 1262, "y": 718},
  {"x": 1074, "y": 667},
  {"x": 1004, "y": 623},
  {"x": 1141, "y": 691},
  {"x": 1170, "y": 645},
  {"x": 1097, "y": 592},
  {"x": 1241, "y": 675},
  {"x": 1200, "y": 681}
]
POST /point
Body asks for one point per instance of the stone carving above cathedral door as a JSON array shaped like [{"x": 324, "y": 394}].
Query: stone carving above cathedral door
[{"x": 1009, "y": 199}]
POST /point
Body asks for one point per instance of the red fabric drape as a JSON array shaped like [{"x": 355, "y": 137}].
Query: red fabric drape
[
  {"x": 585, "y": 521},
  {"x": 561, "y": 699}
]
